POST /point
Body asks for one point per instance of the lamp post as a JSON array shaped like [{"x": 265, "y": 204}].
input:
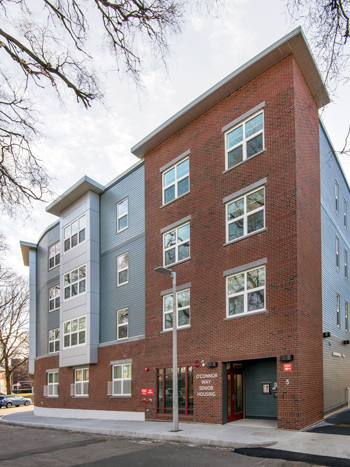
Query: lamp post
[{"x": 169, "y": 272}]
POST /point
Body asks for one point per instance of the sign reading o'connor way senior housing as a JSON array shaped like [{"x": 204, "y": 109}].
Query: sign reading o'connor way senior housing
[{"x": 206, "y": 384}]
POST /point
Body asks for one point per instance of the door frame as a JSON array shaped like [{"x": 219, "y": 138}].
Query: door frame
[{"x": 231, "y": 394}]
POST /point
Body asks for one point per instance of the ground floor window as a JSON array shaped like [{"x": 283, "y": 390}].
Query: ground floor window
[
  {"x": 122, "y": 380},
  {"x": 81, "y": 382},
  {"x": 52, "y": 384},
  {"x": 185, "y": 390}
]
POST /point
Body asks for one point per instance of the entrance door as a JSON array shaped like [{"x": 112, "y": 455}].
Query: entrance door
[{"x": 234, "y": 395}]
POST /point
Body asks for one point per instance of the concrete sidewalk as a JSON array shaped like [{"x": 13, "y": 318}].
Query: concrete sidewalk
[{"x": 245, "y": 433}]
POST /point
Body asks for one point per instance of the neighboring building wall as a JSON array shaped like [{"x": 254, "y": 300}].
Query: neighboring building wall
[
  {"x": 289, "y": 171},
  {"x": 336, "y": 355}
]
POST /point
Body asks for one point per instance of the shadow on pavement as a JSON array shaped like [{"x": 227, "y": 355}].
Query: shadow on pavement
[{"x": 336, "y": 424}]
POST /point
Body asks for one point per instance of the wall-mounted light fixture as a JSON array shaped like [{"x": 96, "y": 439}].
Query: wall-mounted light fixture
[
  {"x": 286, "y": 358},
  {"x": 326, "y": 334}
]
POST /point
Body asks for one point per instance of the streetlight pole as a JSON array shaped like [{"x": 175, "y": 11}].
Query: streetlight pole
[{"x": 171, "y": 273}]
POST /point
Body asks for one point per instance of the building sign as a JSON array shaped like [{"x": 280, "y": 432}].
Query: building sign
[
  {"x": 207, "y": 385},
  {"x": 287, "y": 367},
  {"x": 147, "y": 392}
]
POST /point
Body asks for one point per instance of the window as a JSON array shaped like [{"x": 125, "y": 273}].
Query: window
[
  {"x": 81, "y": 382},
  {"x": 123, "y": 269},
  {"x": 54, "y": 298},
  {"x": 345, "y": 214},
  {"x": 122, "y": 215},
  {"x": 176, "y": 181},
  {"x": 183, "y": 309},
  {"x": 336, "y": 196},
  {"x": 74, "y": 332},
  {"x": 245, "y": 140},
  {"x": 123, "y": 323},
  {"x": 121, "y": 383},
  {"x": 74, "y": 233},
  {"x": 54, "y": 340},
  {"x": 337, "y": 258},
  {"x": 346, "y": 317},
  {"x": 75, "y": 282},
  {"x": 185, "y": 390},
  {"x": 177, "y": 245},
  {"x": 245, "y": 215},
  {"x": 52, "y": 384},
  {"x": 346, "y": 263},
  {"x": 54, "y": 255},
  {"x": 246, "y": 292},
  {"x": 338, "y": 310}
]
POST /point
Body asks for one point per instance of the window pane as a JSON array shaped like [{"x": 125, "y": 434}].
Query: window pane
[
  {"x": 67, "y": 327},
  {"x": 168, "y": 320},
  {"x": 235, "y": 230},
  {"x": 169, "y": 194},
  {"x": 127, "y": 371},
  {"x": 127, "y": 387},
  {"x": 235, "y": 209},
  {"x": 82, "y": 272},
  {"x": 81, "y": 235},
  {"x": 170, "y": 256},
  {"x": 52, "y": 263},
  {"x": 74, "y": 276},
  {"x": 81, "y": 337},
  {"x": 169, "y": 177},
  {"x": 255, "y": 200},
  {"x": 254, "y": 145},
  {"x": 123, "y": 261},
  {"x": 256, "y": 300},
  {"x": 117, "y": 371},
  {"x": 235, "y": 156},
  {"x": 254, "y": 125},
  {"x": 170, "y": 239},
  {"x": 82, "y": 286},
  {"x": 256, "y": 278},
  {"x": 52, "y": 250},
  {"x": 66, "y": 341},
  {"x": 82, "y": 222},
  {"x": 75, "y": 240},
  {"x": 183, "y": 298},
  {"x": 184, "y": 317},
  {"x": 74, "y": 339},
  {"x": 75, "y": 227},
  {"x": 184, "y": 251},
  {"x": 183, "y": 233},
  {"x": 236, "y": 305},
  {"x": 67, "y": 232},
  {"x": 66, "y": 280},
  {"x": 117, "y": 387},
  {"x": 123, "y": 223},
  {"x": 183, "y": 169},
  {"x": 74, "y": 290},
  {"x": 234, "y": 137},
  {"x": 122, "y": 332},
  {"x": 123, "y": 276},
  {"x": 256, "y": 221},
  {"x": 123, "y": 316},
  {"x": 67, "y": 292},
  {"x": 236, "y": 284},
  {"x": 182, "y": 186},
  {"x": 86, "y": 375},
  {"x": 123, "y": 208},
  {"x": 168, "y": 303},
  {"x": 82, "y": 322},
  {"x": 74, "y": 325}
]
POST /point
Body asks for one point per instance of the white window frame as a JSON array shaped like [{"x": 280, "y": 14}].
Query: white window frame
[
  {"x": 345, "y": 214},
  {"x": 245, "y": 216},
  {"x": 336, "y": 196},
  {"x": 245, "y": 292},
  {"x": 74, "y": 327},
  {"x": 168, "y": 309},
  {"x": 338, "y": 310},
  {"x": 337, "y": 255},
  {"x": 53, "y": 385},
  {"x": 54, "y": 298},
  {"x": 54, "y": 340},
  {"x": 122, "y": 324},
  {"x": 346, "y": 263},
  {"x": 122, "y": 215},
  {"x": 121, "y": 268},
  {"x": 78, "y": 277},
  {"x": 123, "y": 379},
  {"x": 178, "y": 243},
  {"x": 244, "y": 140},
  {"x": 81, "y": 387},
  {"x": 346, "y": 316},
  {"x": 177, "y": 180},
  {"x": 79, "y": 226},
  {"x": 54, "y": 255}
]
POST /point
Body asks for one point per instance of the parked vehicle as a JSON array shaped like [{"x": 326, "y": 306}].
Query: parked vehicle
[{"x": 13, "y": 400}]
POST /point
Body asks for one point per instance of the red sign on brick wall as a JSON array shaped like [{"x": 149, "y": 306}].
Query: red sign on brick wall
[
  {"x": 147, "y": 392},
  {"x": 287, "y": 367}
]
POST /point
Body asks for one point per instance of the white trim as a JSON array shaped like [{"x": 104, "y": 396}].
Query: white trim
[
  {"x": 246, "y": 115},
  {"x": 88, "y": 414},
  {"x": 172, "y": 226},
  {"x": 175, "y": 161}
]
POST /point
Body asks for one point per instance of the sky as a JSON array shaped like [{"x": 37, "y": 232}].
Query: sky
[{"x": 97, "y": 142}]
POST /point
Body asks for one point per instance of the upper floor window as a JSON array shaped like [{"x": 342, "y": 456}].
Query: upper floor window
[
  {"x": 74, "y": 233},
  {"x": 81, "y": 382},
  {"x": 121, "y": 384},
  {"x": 54, "y": 255},
  {"x": 245, "y": 140},
  {"x": 337, "y": 256},
  {"x": 51, "y": 389},
  {"x": 346, "y": 316},
  {"x": 123, "y": 269},
  {"x": 346, "y": 263},
  {"x": 54, "y": 340},
  {"x": 183, "y": 309},
  {"x": 54, "y": 298},
  {"x": 75, "y": 282},
  {"x": 245, "y": 215},
  {"x": 122, "y": 215},
  {"x": 74, "y": 332},
  {"x": 176, "y": 245},
  {"x": 122, "y": 323},
  {"x": 345, "y": 214},
  {"x": 176, "y": 181},
  {"x": 336, "y": 196},
  {"x": 246, "y": 292},
  {"x": 338, "y": 310}
]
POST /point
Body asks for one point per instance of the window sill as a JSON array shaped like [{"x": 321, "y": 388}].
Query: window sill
[
  {"x": 245, "y": 236},
  {"x": 179, "y": 329},
  {"x": 83, "y": 396},
  {"x": 51, "y": 397},
  {"x": 244, "y": 315},
  {"x": 245, "y": 160},
  {"x": 179, "y": 262},
  {"x": 121, "y": 396},
  {"x": 173, "y": 200}
]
